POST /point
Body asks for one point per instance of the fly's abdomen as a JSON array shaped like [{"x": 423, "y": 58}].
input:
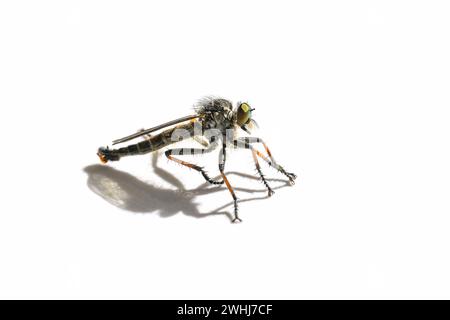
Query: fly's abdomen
[{"x": 149, "y": 145}]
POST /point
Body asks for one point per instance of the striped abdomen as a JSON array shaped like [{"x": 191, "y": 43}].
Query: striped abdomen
[{"x": 154, "y": 143}]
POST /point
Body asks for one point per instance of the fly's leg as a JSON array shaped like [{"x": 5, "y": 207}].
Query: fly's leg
[
  {"x": 222, "y": 159},
  {"x": 245, "y": 145},
  {"x": 289, "y": 175},
  {"x": 192, "y": 151},
  {"x": 263, "y": 178},
  {"x": 270, "y": 161},
  {"x": 201, "y": 141}
]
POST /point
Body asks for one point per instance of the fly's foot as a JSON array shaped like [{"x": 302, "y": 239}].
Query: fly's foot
[
  {"x": 236, "y": 220},
  {"x": 292, "y": 177},
  {"x": 270, "y": 192}
]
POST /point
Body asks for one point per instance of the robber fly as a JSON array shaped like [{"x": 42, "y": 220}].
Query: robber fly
[{"x": 215, "y": 123}]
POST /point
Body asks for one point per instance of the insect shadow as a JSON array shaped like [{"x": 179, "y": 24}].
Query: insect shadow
[{"x": 127, "y": 192}]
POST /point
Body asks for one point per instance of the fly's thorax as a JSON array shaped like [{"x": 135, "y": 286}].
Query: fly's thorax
[
  {"x": 216, "y": 113},
  {"x": 221, "y": 120}
]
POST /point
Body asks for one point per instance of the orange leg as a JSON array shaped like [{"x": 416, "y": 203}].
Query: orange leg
[
  {"x": 222, "y": 159},
  {"x": 230, "y": 188},
  {"x": 185, "y": 151},
  {"x": 258, "y": 168},
  {"x": 247, "y": 141}
]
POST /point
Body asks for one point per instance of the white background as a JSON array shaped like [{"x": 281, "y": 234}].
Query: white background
[{"x": 353, "y": 96}]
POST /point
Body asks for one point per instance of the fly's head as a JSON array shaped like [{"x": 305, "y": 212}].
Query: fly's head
[{"x": 243, "y": 116}]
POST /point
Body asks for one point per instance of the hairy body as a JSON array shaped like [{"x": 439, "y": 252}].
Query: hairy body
[{"x": 215, "y": 120}]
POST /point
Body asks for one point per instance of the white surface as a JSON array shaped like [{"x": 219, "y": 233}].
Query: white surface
[{"x": 353, "y": 96}]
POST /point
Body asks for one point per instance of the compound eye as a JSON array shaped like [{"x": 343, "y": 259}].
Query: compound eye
[{"x": 243, "y": 114}]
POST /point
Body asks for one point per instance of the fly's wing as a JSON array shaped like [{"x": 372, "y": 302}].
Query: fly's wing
[{"x": 141, "y": 133}]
